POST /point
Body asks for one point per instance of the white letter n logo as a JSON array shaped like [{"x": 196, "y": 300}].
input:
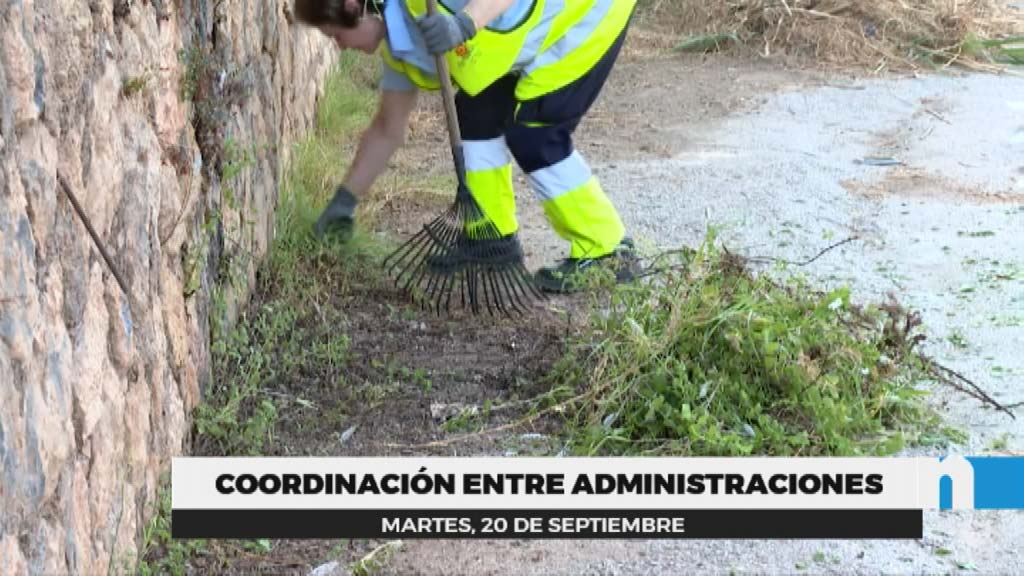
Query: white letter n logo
[{"x": 959, "y": 470}]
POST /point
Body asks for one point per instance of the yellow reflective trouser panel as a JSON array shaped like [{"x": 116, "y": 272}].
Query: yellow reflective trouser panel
[
  {"x": 577, "y": 207},
  {"x": 489, "y": 177}
]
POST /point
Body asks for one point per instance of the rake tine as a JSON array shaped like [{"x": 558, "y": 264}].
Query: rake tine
[
  {"x": 420, "y": 272},
  {"x": 416, "y": 243},
  {"x": 474, "y": 293},
  {"x": 414, "y": 259},
  {"x": 510, "y": 287},
  {"x": 471, "y": 299},
  {"x": 445, "y": 292},
  {"x": 449, "y": 288},
  {"x": 479, "y": 294},
  {"x": 462, "y": 287},
  {"x": 521, "y": 280},
  {"x": 521, "y": 285},
  {"x": 401, "y": 250},
  {"x": 420, "y": 275},
  {"x": 496, "y": 275},
  {"x": 511, "y": 283},
  {"x": 471, "y": 290},
  {"x": 489, "y": 289},
  {"x": 518, "y": 288},
  {"x": 420, "y": 240},
  {"x": 527, "y": 282},
  {"x": 506, "y": 296},
  {"x": 488, "y": 295},
  {"x": 436, "y": 236},
  {"x": 482, "y": 274},
  {"x": 496, "y": 291},
  {"x": 434, "y": 282}
]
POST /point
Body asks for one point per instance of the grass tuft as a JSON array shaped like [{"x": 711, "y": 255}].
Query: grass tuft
[
  {"x": 707, "y": 359},
  {"x": 702, "y": 43},
  {"x": 161, "y": 554}
]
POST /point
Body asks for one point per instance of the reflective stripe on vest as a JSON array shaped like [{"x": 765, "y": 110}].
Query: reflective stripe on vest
[
  {"x": 577, "y": 51},
  {"x": 489, "y": 55},
  {"x": 574, "y": 37}
]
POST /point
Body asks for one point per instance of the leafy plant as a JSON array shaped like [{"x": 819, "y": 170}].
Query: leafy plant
[{"x": 708, "y": 359}]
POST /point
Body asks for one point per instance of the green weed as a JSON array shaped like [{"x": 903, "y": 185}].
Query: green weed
[
  {"x": 286, "y": 331},
  {"x": 377, "y": 559},
  {"x": 1000, "y": 443},
  {"x": 1002, "y": 50},
  {"x": 160, "y": 554},
  {"x": 235, "y": 160},
  {"x": 134, "y": 85},
  {"x": 958, "y": 340},
  {"x": 707, "y": 42},
  {"x": 707, "y": 359},
  {"x": 194, "y": 258},
  {"x": 195, "y": 64}
]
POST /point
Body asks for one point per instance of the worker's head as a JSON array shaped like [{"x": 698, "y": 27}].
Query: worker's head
[{"x": 350, "y": 23}]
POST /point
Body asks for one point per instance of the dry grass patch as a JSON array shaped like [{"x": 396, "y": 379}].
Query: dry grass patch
[{"x": 880, "y": 34}]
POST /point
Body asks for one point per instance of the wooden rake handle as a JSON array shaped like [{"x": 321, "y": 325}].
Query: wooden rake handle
[{"x": 448, "y": 97}]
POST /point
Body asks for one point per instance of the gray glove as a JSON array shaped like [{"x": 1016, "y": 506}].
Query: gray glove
[
  {"x": 442, "y": 32},
  {"x": 339, "y": 216}
]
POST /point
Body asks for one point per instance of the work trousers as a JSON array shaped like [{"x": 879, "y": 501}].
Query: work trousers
[{"x": 537, "y": 133}]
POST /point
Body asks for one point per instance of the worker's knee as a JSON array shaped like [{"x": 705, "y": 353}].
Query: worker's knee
[{"x": 536, "y": 147}]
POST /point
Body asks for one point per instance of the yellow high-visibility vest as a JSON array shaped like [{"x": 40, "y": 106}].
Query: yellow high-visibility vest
[{"x": 556, "y": 43}]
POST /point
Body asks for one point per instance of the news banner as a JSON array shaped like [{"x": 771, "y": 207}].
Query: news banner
[{"x": 584, "y": 498}]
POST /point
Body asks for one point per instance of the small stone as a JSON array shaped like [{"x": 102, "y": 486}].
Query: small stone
[
  {"x": 441, "y": 412},
  {"x": 344, "y": 436},
  {"x": 325, "y": 569}
]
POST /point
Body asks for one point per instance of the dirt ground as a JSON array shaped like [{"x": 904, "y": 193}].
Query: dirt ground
[{"x": 777, "y": 150}]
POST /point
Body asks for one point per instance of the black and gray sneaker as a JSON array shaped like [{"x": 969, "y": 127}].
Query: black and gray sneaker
[{"x": 568, "y": 276}]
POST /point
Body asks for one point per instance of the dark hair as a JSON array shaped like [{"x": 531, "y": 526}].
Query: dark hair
[{"x": 320, "y": 12}]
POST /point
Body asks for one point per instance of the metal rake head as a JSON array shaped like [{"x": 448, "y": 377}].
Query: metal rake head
[{"x": 461, "y": 251}]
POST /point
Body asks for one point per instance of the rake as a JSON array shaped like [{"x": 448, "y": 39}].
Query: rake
[{"x": 462, "y": 250}]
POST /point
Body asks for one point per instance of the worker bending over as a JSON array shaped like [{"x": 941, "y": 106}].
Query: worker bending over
[{"x": 526, "y": 72}]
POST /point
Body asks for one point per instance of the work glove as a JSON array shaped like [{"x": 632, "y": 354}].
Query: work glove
[
  {"x": 339, "y": 216},
  {"x": 442, "y": 32}
]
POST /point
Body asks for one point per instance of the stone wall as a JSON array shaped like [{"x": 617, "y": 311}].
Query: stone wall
[{"x": 170, "y": 120}]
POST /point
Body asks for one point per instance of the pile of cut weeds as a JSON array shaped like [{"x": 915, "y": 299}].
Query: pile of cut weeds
[
  {"x": 706, "y": 358},
  {"x": 881, "y": 34}
]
